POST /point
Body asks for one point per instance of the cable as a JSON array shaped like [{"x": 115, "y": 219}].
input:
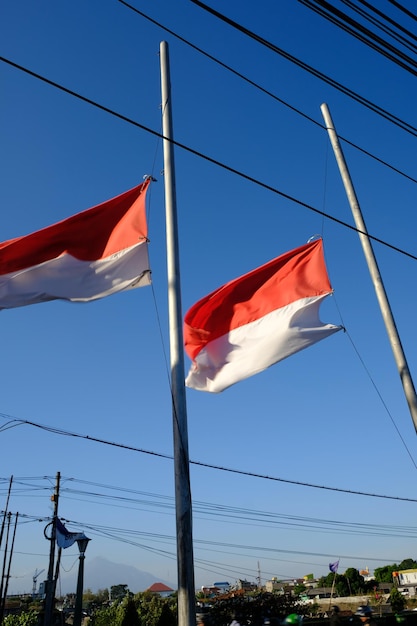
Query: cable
[
  {"x": 58, "y": 431},
  {"x": 363, "y": 34},
  {"x": 209, "y": 159},
  {"x": 402, "y": 8},
  {"x": 127, "y": 535},
  {"x": 386, "y": 29},
  {"x": 262, "y": 89},
  {"x": 330, "y": 81}
]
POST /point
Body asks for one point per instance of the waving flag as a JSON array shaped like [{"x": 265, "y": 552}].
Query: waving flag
[
  {"x": 64, "y": 538},
  {"x": 258, "y": 319},
  {"x": 333, "y": 567},
  {"x": 85, "y": 257}
]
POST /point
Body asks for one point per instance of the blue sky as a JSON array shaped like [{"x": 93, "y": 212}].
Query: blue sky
[{"x": 333, "y": 416}]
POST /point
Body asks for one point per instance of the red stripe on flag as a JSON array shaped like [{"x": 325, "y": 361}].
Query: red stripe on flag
[
  {"x": 300, "y": 273},
  {"x": 94, "y": 234}
]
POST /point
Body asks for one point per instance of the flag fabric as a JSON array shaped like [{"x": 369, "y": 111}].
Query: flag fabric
[
  {"x": 258, "y": 319},
  {"x": 65, "y": 538},
  {"x": 333, "y": 567},
  {"x": 90, "y": 255}
]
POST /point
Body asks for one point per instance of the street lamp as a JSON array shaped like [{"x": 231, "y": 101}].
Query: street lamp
[{"x": 82, "y": 547}]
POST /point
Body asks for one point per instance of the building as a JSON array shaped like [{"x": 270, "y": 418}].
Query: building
[
  {"x": 246, "y": 585},
  {"x": 160, "y": 589},
  {"x": 406, "y": 581}
]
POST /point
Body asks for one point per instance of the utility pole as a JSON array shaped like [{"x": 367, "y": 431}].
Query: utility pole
[
  {"x": 5, "y": 511},
  {"x": 3, "y": 585},
  {"x": 50, "y": 583}
]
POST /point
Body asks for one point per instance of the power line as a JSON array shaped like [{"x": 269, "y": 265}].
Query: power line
[
  {"x": 330, "y": 81},
  {"x": 385, "y": 17},
  {"x": 219, "y": 511},
  {"x": 128, "y": 536},
  {"x": 206, "y": 157},
  {"x": 402, "y": 8},
  {"x": 363, "y": 34},
  {"x": 262, "y": 89},
  {"x": 58, "y": 431}
]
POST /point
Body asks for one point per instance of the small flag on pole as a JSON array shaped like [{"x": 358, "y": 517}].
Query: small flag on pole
[
  {"x": 65, "y": 538},
  {"x": 258, "y": 319},
  {"x": 93, "y": 254},
  {"x": 333, "y": 567}
]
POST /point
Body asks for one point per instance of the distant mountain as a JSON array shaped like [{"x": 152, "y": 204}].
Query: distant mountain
[{"x": 99, "y": 573}]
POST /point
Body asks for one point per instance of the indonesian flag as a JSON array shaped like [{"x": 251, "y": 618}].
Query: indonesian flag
[
  {"x": 90, "y": 255},
  {"x": 258, "y": 319}
]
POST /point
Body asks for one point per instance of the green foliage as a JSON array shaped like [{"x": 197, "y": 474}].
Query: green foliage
[
  {"x": 118, "y": 592},
  {"x": 299, "y": 589},
  {"x": 397, "y": 600},
  {"x": 340, "y": 582},
  {"x": 167, "y": 617},
  {"x": 356, "y": 582},
  {"x": 384, "y": 574},
  {"x": 150, "y": 607},
  {"x": 407, "y": 564},
  {"x": 352, "y": 583},
  {"x": 254, "y": 608},
  {"x": 145, "y": 608},
  {"x": 130, "y": 617},
  {"x": 29, "y": 618},
  {"x": 109, "y": 616}
]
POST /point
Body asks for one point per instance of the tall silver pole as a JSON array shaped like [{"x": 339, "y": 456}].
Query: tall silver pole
[
  {"x": 387, "y": 316},
  {"x": 185, "y": 560}
]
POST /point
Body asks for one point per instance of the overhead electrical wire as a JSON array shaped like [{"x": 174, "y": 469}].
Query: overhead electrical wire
[
  {"x": 386, "y": 29},
  {"x": 311, "y": 70},
  {"x": 207, "y": 158},
  {"x": 215, "y": 511},
  {"x": 245, "y": 515},
  {"x": 13, "y": 422},
  {"x": 130, "y": 537},
  {"x": 363, "y": 34},
  {"x": 262, "y": 89},
  {"x": 402, "y": 8}
]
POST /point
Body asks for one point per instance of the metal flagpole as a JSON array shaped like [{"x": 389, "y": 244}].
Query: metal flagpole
[
  {"x": 185, "y": 560},
  {"x": 388, "y": 318}
]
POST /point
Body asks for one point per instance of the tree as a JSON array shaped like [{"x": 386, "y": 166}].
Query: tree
[
  {"x": 131, "y": 616},
  {"x": 299, "y": 589},
  {"x": 384, "y": 574},
  {"x": 150, "y": 607},
  {"x": 167, "y": 617},
  {"x": 407, "y": 564},
  {"x": 118, "y": 592},
  {"x": 338, "y": 582},
  {"x": 254, "y": 608},
  {"x": 29, "y": 618},
  {"x": 397, "y": 600},
  {"x": 109, "y": 616},
  {"x": 355, "y": 581}
]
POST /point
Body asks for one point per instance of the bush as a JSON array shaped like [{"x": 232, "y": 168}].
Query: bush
[
  {"x": 28, "y": 618},
  {"x": 131, "y": 616}
]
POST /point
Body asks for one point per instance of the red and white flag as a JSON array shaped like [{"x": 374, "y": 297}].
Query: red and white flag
[
  {"x": 90, "y": 255},
  {"x": 258, "y": 319}
]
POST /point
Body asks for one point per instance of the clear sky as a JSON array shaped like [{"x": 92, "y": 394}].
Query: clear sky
[{"x": 326, "y": 425}]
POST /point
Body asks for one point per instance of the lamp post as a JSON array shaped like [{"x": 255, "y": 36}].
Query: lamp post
[{"x": 82, "y": 546}]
